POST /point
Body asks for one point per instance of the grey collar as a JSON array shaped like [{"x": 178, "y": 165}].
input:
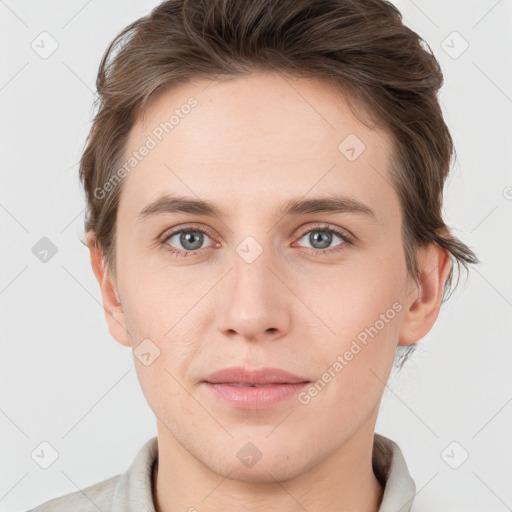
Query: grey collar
[{"x": 133, "y": 492}]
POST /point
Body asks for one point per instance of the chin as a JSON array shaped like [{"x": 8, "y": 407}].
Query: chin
[
  {"x": 262, "y": 473},
  {"x": 265, "y": 462}
]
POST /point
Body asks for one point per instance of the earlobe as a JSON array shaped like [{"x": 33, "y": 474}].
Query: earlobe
[
  {"x": 112, "y": 306},
  {"x": 425, "y": 298}
]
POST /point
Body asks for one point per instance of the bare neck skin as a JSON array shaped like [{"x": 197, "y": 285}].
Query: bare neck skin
[{"x": 344, "y": 481}]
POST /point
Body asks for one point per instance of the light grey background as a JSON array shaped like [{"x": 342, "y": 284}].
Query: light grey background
[{"x": 65, "y": 381}]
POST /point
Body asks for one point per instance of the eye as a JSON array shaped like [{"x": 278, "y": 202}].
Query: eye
[
  {"x": 321, "y": 237},
  {"x": 186, "y": 241}
]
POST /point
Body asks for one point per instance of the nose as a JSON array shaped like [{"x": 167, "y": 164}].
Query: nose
[{"x": 254, "y": 301}]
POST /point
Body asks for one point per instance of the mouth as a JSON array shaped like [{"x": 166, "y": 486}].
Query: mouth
[
  {"x": 239, "y": 376},
  {"x": 245, "y": 385},
  {"x": 254, "y": 389}
]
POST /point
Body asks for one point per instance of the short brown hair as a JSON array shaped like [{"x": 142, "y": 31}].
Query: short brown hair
[{"x": 361, "y": 47}]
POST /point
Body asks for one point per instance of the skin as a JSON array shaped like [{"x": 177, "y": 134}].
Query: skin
[{"x": 250, "y": 145}]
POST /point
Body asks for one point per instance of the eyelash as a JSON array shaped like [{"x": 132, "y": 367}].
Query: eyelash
[{"x": 344, "y": 235}]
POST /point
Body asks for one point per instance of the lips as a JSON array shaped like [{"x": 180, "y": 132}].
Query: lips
[
  {"x": 241, "y": 388},
  {"x": 240, "y": 384},
  {"x": 239, "y": 376}
]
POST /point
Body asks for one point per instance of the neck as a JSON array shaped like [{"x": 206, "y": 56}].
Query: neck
[{"x": 343, "y": 481}]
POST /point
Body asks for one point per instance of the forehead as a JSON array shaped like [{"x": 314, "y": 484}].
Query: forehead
[{"x": 257, "y": 137}]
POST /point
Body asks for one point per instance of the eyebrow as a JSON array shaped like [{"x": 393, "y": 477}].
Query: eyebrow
[{"x": 294, "y": 207}]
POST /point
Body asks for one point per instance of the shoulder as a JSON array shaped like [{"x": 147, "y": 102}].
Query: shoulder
[
  {"x": 90, "y": 499},
  {"x": 133, "y": 487}
]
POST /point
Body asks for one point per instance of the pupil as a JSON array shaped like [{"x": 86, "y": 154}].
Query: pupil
[
  {"x": 323, "y": 237},
  {"x": 187, "y": 240}
]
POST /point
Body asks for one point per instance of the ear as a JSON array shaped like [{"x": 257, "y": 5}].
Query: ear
[
  {"x": 425, "y": 297},
  {"x": 112, "y": 306}
]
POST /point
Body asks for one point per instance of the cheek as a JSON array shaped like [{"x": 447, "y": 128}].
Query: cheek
[
  {"x": 358, "y": 358},
  {"x": 350, "y": 299},
  {"x": 151, "y": 300},
  {"x": 363, "y": 309}
]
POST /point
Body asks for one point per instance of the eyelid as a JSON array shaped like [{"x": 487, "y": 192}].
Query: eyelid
[
  {"x": 343, "y": 233},
  {"x": 319, "y": 226},
  {"x": 190, "y": 227},
  {"x": 308, "y": 227}
]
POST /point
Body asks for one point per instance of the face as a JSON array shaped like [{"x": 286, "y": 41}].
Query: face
[{"x": 317, "y": 292}]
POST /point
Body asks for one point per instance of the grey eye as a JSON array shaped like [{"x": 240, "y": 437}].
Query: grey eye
[
  {"x": 321, "y": 238},
  {"x": 190, "y": 240}
]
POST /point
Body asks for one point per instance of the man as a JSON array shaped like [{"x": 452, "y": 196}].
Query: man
[{"x": 264, "y": 189}]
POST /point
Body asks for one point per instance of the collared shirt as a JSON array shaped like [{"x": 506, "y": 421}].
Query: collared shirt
[{"x": 131, "y": 491}]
